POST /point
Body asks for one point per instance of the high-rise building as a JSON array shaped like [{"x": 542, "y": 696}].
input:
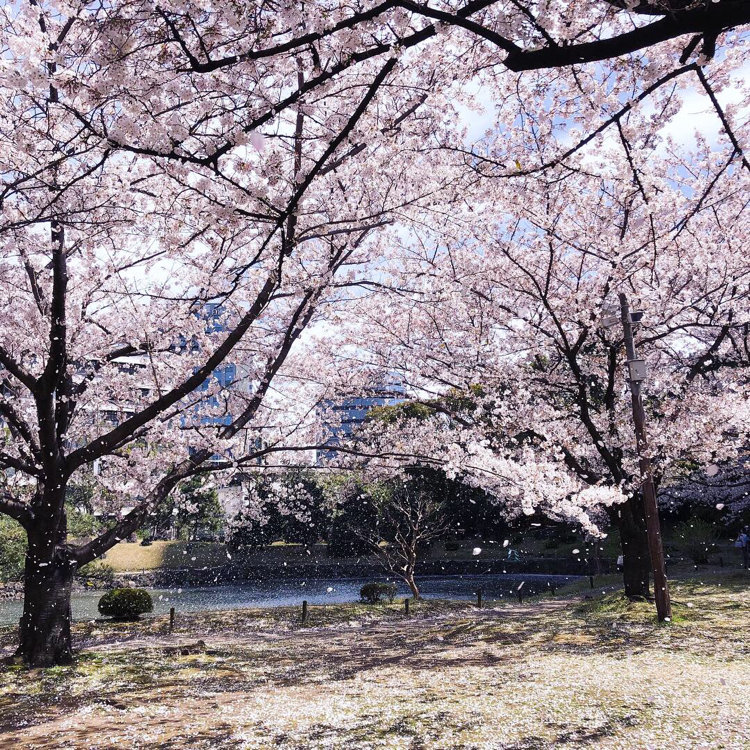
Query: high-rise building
[{"x": 341, "y": 418}]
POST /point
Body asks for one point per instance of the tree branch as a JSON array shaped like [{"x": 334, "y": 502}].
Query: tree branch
[
  {"x": 720, "y": 112},
  {"x": 15, "y": 369},
  {"x": 710, "y": 18},
  {"x": 115, "y": 437},
  {"x": 21, "y": 512}
]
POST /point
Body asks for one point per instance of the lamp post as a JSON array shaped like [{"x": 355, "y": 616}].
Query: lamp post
[{"x": 636, "y": 375}]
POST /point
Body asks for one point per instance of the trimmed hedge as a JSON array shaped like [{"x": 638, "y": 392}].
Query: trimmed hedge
[
  {"x": 374, "y": 592},
  {"x": 125, "y": 604}
]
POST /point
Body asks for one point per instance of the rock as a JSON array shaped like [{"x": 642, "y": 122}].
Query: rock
[{"x": 187, "y": 649}]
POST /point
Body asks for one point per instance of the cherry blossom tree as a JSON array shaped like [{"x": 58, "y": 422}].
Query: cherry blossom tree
[
  {"x": 164, "y": 161},
  {"x": 161, "y": 219},
  {"x": 507, "y": 334}
]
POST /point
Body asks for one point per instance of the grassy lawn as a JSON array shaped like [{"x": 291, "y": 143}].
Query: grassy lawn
[
  {"x": 131, "y": 556},
  {"x": 554, "y": 672}
]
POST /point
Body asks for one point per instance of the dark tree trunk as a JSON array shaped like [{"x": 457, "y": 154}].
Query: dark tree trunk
[
  {"x": 409, "y": 577},
  {"x": 412, "y": 584},
  {"x": 636, "y": 569},
  {"x": 45, "y": 625}
]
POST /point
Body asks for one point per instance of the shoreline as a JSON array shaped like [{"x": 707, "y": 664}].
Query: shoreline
[
  {"x": 166, "y": 578},
  {"x": 14, "y": 593}
]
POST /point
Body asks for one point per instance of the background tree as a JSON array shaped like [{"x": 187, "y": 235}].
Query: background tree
[
  {"x": 720, "y": 494},
  {"x": 288, "y": 506},
  {"x": 198, "y": 510},
  {"x": 409, "y": 517},
  {"x": 12, "y": 549},
  {"x": 350, "y": 515},
  {"x": 698, "y": 538}
]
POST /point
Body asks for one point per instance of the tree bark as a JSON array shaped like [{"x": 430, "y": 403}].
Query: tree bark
[
  {"x": 45, "y": 638},
  {"x": 412, "y": 584},
  {"x": 408, "y": 576},
  {"x": 636, "y": 569}
]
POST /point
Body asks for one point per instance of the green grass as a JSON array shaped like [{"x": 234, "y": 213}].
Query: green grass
[
  {"x": 174, "y": 555},
  {"x": 129, "y": 556},
  {"x": 615, "y": 606}
]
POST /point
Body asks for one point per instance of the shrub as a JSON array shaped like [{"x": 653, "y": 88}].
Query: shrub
[
  {"x": 12, "y": 549},
  {"x": 146, "y": 541},
  {"x": 452, "y": 546},
  {"x": 373, "y": 592},
  {"x": 697, "y": 538},
  {"x": 125, "y": 604},
  {"x": 96, "y": 571},
  {"x": 552, "y": 543},
  {"x": 81, "y": 525}
]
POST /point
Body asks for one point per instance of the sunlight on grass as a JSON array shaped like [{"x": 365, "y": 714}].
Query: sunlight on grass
[{"x": 598, "y": 671}]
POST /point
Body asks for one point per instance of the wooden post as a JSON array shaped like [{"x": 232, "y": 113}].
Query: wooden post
[
  {"x": 479, "y": 598},
  {"x": 591, "y": 581},
  {"x": 406, "y": 607},
  {"x": 171, "y": 619},
  {"x": 648, "y": 491},
  {"x": 721, "y": 561},
  {"x": 520, "y": 596},
  {"x": 304, "y": 611}
]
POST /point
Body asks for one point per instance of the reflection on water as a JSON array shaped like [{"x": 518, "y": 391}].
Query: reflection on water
[{"x": 277, "y": 593}]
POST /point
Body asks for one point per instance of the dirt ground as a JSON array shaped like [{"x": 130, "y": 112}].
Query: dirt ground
[{"x": 550, "y": 673}]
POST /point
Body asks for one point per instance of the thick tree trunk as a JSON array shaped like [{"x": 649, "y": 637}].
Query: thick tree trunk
[
  {"x": 636, "y": 570},
  {"x": 45, "y": 626}
]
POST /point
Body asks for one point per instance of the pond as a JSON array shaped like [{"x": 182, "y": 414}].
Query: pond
[{"x": 290, "y": 592}]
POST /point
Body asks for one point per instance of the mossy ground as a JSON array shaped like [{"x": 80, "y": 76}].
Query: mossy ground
[{"x": 553, "y": 672}]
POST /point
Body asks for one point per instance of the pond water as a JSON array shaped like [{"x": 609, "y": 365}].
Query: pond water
[{"x": 290, "y": 592}]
